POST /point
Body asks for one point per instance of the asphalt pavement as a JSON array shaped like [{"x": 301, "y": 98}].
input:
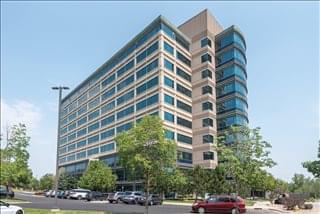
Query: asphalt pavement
[{"x": 41, "y": 202}]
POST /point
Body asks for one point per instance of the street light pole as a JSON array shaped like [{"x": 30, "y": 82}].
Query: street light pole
[{"x": 60, "y": 88}]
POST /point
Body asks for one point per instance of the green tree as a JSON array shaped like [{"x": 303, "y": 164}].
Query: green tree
[
  {"x": 67, "y": 181},
  {"x": 198, "y": 181},
  {"x": 313, "y": 166},
  {"x": 34, "y": 184},
  {"x": 145, "y": 148},
  {"x": 14, "y": 159},
  {"x": 46, "y": 181},
  {"x": 98, "y": 177}
]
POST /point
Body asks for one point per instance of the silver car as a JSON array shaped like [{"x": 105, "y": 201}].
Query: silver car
[{"x": 79, "y": 194}]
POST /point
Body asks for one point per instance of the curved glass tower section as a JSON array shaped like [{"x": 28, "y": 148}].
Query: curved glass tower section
[{"x": 231, "y": 79}]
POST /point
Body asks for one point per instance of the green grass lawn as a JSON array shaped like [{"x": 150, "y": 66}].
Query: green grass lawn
[
  {"x": 43, "y": 211},
  {"x": 250, "y": 202},
  {"x": 13, "y": 200}
]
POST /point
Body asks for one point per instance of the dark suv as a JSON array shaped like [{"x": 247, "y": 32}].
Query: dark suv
[
  {"x": 153, "y": 200},
  {"x": 131, "y": 197},
  {"x": 6, "y": 193},
  {"x": 94, "y": 196}
]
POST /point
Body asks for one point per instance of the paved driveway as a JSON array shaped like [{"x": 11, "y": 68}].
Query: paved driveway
[{"x": 64, "y": 204}]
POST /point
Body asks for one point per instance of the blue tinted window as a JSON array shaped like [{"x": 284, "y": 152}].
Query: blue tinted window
[
  {"x": 93, "y": 139},
  {"x": 206, "y": 57},
  {"x": 71, "y": 157},
  {"x": 231, "y": 87},
  {"x": 81, "y": 155},
  {"x": 169, "y": 117},
  {"x": 81, "y": 132},
  {"x": 124, "y": 127},
  {"x": 107, "y": 148},
  {"x": 125, "y": 112},
  {"x": 205, "y": 42},
  {"x": 184, "y": 106},
  {"x": 147, "y": 102},
  {"x": 109, "y": 80},
  {"x": 167, "y": 30},
  {"x": 107, "y": 121},
  {"x": 72, "y": 126},
  {"x": 206, "y": 122},
  {"x": 93, "y": 127},
  {"x": 107, "y": 134},
  {"x": 168, "y": 48},
  {"x": 235, "y": 103},
  {"x": 168, "y": 99},
  {"x": 207, "y": 106},
  {"x": 230, "y": 55},
  {"x": 168, "y": 65},
  {"x": 147, "y": 85},
  {"x": 184, "y": 157},
  {"x": 206, "y": 74},
  {"x": 72, "y": 136},
  {"x": 94, "y": 115},
  {"x": 125, "y": 83},
  {"x": 184, "y": 90},
  {"x": 183, "y": 74},
  {"x": 168, "y": 82},
  {"x": 206, "y": 89},
  {"x": 72, "y": 116},
  {"x": 184, "y": 122},
  {"x": 71, "y": 147},
  {"x": 169, "y": 134},
  {"x": 151, "y": 66},
  {"x": 183, "y": 59},
  {"x": 207, "y": 138},
  {"x": 82, "y": 110},
  {"x": 147, "y": 52},
  {"x": 233, "y": 70},
  {"x": 107, "y": 107},
  {"x": 94, "y": 103},
  {"x": 81, "y": 143},
  {"x": 229, "y": 39},
  {"x": 125, "y": 98},
  {"x": 125, "y": 68},
  {"x": 108, "y": 93},
  {"x": 231, "y": 120},
  {"x": 93, "y": 151},
  {"x": 184, "y": 139},
  {"x": 208, "y": 155}
]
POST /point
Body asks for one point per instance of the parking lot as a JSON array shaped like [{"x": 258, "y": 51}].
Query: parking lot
[{"x": 41, "y": 202}]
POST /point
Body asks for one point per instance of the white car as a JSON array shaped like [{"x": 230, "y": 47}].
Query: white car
[
  {"x": 6, "y": 208},
  {"x": 79, "y": 194}
]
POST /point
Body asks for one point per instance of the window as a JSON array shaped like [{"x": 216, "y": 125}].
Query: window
[
  {"x": 168, "y": 48},
  {"x": 206, "y": 90},
  {"x": 184, "y": 106},
  {"x": 183, "y": 59},
  {"x": 230, "y": 71},
  {"x": 184, "y": 157},
  {"x": 169, "y": 134},
  {"x": 109, "y": 80},
  {"x": 168, "y": 65},
  {"x": 125, "y": 112},
  {"x": 147, "y": 102},
  {"x": 237, "y": 120},
  {"x": 125, "y": 68},
  {"x": 107, "y": 147},
  {"x": 107, "y": 134},
  {"x": 82, "y": 99},
  {"x": 72, "y": 116},
  {"x": 93, "y": 139},
  {"x": 124, "y": 127},
  {"x": 107, "y": 121},
  {"x": 82, "y": 110},
  {"x": 183, "y": 74},
  {"x": 168, "y": 82},
  {"x": 206, "y": 74},
  {"x": 81, "y": 143},
  {"x": 168, "y": 99},
  {"x": 169, "y": 117},
  {"x": 71, "y": 147},
  {"x": 145, "y": 70},
  {"x": 206, "y": 57},
  {"x": 81, "y": 155},
  {"x": 71, "y": 158},
  {"x": 232, "y": 54},
  {"x": 205, "y": 42},
  {"x": 125, "y": 98},
  {"x": 207, "y": 106},
  {"x": 71, "y": 136},
  {"x": 184, "y": 122},
  {"x": 208, "y": 156},
  {"x": 228, "y": 39},
  {"x": 231, "y": 87},
  {"x": 94, "y": 115},
  {"x": 107, "y": 107},
  {"x": 184, "y": 139},
  {"x": 207, "y": 138},
  {"x": 234, "y": 103},
  {"x": 94, "y": 103},
  {"x": 63, "y": 131},
  {"x": 148, "y": 85},
  {"x": 93, "y": 151},
  {"x": 81, "y": 132},
  {"x": 94, "y": 91},
  {"x": 72, "y": 126},
  {"x": 147, "y": 52},
  {"x": 125, "y": 83},
  {"x": 207, "y": 122},
  {"x": 184, "y": 90},
  {"x": 93, "y": 127}
]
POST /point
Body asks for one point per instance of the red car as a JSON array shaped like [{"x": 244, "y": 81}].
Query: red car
[{"x": 220, "y": 204}]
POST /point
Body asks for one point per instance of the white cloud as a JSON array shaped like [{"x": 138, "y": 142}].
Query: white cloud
[{"x": 20, "y": 111}]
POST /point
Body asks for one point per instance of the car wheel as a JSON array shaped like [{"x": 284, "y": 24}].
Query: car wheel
[
  {"x": 201, "y": 210},
  {"x": 235, "y": 211},
  {"x": 19, "y": 212},
  {"x": 79, "y": 197},
  {"x": 117, "y": 201}
]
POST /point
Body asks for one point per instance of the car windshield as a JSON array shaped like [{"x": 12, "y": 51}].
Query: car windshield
[{"x": 128, "y": 193}]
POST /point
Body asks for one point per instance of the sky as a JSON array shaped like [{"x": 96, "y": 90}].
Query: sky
[{"x": 44, "y": 44}]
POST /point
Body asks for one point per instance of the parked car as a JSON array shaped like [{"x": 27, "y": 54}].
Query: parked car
[
  {"x": 78, "y": 194},
  {"x": 52, "y": 194},
  {"x": 152, "y": 200},
  {"x": 6, "y": 193},
  {"x": 60, "y": 194},
  {"x": 48, "y": 193},
  {"x": 93, "y": 195},
  {"x": 220, "y": 204},
  {"x": 6, "y": 208},
  {"x": 131, "y": 197},
  {"x": 66, "y": 194},
  {"x": 115, "y": 197}
]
